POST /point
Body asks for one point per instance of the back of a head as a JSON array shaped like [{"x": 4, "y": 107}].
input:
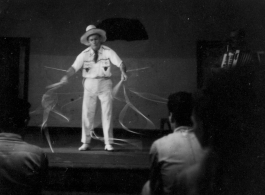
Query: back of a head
[
  {"x": 14, "y": 115},
  {"x": 180, "y": 104}
]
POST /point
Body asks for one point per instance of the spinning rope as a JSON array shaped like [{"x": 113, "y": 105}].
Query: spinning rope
[{"x": 50, "y": 100}]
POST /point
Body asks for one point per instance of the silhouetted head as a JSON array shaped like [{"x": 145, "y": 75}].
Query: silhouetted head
[
  {"x": 237, "y": 39},
  {"x": 180, "y": 108}
]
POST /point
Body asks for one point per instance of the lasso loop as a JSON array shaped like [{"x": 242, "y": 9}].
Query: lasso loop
[{"x": 50, "y": 100}]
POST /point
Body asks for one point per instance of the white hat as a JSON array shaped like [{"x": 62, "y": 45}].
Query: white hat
[{"x": 91, "y": 30}]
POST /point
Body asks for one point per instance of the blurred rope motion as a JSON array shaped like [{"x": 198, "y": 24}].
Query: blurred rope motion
[{"x": 49, "y": 104}]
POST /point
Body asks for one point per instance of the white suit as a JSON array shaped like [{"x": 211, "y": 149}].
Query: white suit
[{"x": 97, "y": 84}]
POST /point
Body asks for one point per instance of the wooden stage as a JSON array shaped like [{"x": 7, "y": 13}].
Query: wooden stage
[{"x": 123, "y": 171}]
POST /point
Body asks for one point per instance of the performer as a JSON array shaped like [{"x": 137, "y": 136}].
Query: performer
[
  {"x": 235, "y": 53},
  {"x": 95, "y": 62},
  {"x": 235, "y": 45}
]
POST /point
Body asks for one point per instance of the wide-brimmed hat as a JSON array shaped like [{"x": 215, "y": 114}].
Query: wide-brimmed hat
[{"x": 91, "y": 30}]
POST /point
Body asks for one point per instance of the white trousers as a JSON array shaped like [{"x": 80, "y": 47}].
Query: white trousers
[{"x": 93, "y": 89}]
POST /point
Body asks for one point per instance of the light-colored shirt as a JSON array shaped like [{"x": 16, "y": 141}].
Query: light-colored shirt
[
  {"x": 99, "y": 69},
  {"x": 170, "y": 155}
]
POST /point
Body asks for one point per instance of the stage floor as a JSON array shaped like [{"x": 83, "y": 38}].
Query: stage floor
[
  {"x": 132, "y": 152},
  {"x": 96, "y": 171}
]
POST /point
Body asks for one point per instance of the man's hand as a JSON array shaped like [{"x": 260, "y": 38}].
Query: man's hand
[
  {"x": 70, "y": 72},
  {"x": 123, "y": 72},
  {"x": 64, "y": 80},
  {"x": 124, "y": 76}
]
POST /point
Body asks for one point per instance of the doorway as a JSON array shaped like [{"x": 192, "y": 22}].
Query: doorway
[{"x": 14, "y": 66}]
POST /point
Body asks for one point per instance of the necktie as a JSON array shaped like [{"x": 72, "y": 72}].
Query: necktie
[{"x": 96, "y": 56}]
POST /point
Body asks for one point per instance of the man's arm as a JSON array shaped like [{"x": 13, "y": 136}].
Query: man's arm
[
  {"x": 78, "y": 63},
  {"x": 70, "y": 72},
  {"x": 123, "y": 72}
]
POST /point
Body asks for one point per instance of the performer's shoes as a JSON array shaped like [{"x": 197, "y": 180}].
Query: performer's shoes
[
  {"x": 109, "y": 147},
  {"x": 84, "y": 147}
]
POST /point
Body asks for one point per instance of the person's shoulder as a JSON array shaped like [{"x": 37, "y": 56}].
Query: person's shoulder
[
  {"x": 165, "y": 139},
  {"x": 33, "y": 148},
  {"x": 106, "y": 48},
  {"x": 158, "y": 142},
  {"x": 85, "y": 51}
]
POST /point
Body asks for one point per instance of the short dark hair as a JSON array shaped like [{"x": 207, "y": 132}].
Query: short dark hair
[
  {"x": 14, "y": 114},
  {"x": 180, "y": 104}
]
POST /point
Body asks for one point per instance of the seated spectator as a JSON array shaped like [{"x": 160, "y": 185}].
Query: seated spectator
[
  {"x": 228, "y": 127},
  {"x": 23, "y": 167},
  {"x": 172, "y": 153}
]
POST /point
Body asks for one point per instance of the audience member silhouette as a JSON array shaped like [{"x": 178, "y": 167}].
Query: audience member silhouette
[
  {"x": 172, "y": 153},
  {"x": 227, "y": 125},
  {"x": 23, "y": 167}
]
